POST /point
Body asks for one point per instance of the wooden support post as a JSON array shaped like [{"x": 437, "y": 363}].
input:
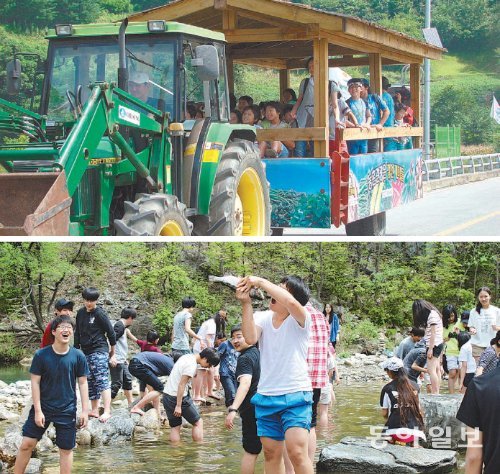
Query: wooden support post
[
  {"x": 229, "y": 22},
  {"x": 375, "y": 60},
  {"x": 284, "y": 80},
  {"x": 321, "y": 115},
  {"x": 415, "y": 97}
]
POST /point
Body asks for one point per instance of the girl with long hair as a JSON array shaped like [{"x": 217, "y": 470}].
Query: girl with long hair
[
  {"x": 484, "y": 322},
  {"x": 427, "y": 316},
  {"x": 334, "y": 322},
  {"x": 400, "y": 406},
  {"x": 452, "y": 328}
]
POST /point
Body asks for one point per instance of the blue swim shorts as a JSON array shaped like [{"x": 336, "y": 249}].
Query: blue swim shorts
[{"x": 276, "y": 414}]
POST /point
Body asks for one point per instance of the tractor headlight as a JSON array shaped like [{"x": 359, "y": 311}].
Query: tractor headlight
[
  {"x": 156, "y": 25},
  {"x": 64, "y": 30}
]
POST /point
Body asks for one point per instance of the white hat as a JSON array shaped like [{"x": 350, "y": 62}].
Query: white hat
[
  {"x": 393, "y": 364},
  {"x": 139, "y": 77}
]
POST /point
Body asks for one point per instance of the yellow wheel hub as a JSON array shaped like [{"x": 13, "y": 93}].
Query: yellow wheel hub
[
  {"x": 250, "y": 209},
  {"x": 171, "y": 229}
]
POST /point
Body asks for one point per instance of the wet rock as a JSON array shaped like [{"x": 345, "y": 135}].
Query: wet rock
[
  {"x": 83, "y": 437},
  {"x": 34, "y": 466},
  {"x": 442, "y": 428},
  {"x": 45, "y": 444},
  {"x": 150, "y": 420},
  {"x": 118, "y": 429},
  {"x": 359, "y": 455},
  {"x": 3, "y": 384}
]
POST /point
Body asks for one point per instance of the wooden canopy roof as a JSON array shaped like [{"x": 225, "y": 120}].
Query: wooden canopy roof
[{"x": 280, "y": 34}]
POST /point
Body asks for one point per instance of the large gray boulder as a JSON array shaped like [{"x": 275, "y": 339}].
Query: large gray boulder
[
  {"x": 442, "y": 428},
  {"x": 360, "y": 455},
  {"x": 118, "y": 429}
]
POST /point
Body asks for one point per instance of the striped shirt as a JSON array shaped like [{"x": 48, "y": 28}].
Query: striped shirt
[{"x": 317, "y": 353}]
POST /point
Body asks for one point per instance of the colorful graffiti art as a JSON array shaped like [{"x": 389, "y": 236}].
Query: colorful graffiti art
[
  {"x": 380, "y": 181},
  {"x": 300, "y": 192}
]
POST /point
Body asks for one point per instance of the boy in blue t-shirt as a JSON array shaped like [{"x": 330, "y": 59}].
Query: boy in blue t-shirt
[
  {"x": 54, "y": 372},
  {"x": 361, "y": 112}
]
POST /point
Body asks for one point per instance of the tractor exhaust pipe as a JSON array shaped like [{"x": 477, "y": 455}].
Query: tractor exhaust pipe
[{"x": 122, "y": 57}]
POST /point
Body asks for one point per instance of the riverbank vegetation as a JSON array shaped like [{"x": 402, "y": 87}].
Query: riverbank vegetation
[{"x": 374, "y": 284}]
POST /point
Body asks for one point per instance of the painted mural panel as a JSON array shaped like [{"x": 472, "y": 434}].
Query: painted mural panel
[
  {"x": 380, "y": 181},
  {"x": 300, "y": 192}
]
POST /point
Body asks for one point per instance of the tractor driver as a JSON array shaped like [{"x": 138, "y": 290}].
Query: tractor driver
[{"x": 139, "y": 86}]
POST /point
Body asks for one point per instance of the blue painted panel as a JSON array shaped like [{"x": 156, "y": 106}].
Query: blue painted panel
[
  {"x": 300, "y": 192},
  {"x": 381, "y": 181}
]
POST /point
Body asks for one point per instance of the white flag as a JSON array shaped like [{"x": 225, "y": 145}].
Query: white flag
[{"x": 495, "y": 110}]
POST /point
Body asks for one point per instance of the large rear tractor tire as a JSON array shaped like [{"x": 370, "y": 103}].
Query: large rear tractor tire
[
  {"x": 154, "y": 214},
  {"x": 240, "y": 204},
  {"x": 369, "y": 226}
]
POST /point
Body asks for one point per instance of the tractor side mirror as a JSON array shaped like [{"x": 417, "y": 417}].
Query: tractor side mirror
[
  {"x": 13, "y": 77},
  {"x": 206, "y": 62}
]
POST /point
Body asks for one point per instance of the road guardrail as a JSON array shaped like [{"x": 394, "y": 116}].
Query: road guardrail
[{"x": 440, "y": 168}]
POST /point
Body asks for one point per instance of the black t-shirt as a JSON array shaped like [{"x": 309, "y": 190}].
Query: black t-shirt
[
  {"x": 93, "y": 331},
  {"x": 394, "y": 420},
  {"x": 479, "y": 409},
  {"x": 249, "y": 364}
]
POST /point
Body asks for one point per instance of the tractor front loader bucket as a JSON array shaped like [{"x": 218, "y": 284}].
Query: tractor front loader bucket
[{"x": 34, "y": 204}]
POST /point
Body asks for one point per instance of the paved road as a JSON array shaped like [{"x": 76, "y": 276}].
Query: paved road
[{"x": 471, "y": 209}]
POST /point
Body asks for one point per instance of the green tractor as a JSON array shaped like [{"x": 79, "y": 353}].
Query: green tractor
[{"x": 103, "y": 158}]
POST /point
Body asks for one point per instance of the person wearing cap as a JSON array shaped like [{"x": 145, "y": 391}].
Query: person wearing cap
[
  {"x": 479, "y": 411},
  {"x": 139, "y": 86},
  {"x": 464, "y": 319},
  {"x": 62, "y": 307},
  {"x": 490, "y": 357},
  {"x": 361, "y": 112},
  {"x": 408, "y": 343},
  {"x": 378, "y": 109},
  {"x": 400, "y": 406}
]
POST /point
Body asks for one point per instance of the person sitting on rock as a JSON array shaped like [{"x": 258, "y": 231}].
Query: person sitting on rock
[
  {"x": 400, "y": 406},
  {"x": 54, "y": 372}
]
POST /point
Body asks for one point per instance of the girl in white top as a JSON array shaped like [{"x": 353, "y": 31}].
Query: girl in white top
[
  {"x": 484, "y": 322},
  {"x": 467, "y": 363},
  {"x": 427, "y": 315}
]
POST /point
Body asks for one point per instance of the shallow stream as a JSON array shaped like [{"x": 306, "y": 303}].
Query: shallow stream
[{"x": 356, "y": 409}]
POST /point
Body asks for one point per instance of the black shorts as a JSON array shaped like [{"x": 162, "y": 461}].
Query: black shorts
[
  {"x": 65, "y": 428},
  {"x": 120, "y": 378},
  {"x": 188, "y": 410},
  {"x": 250, "y": 439},
  {"x": 436, "y": 351},
  {"x": 145, "y": 374},
  {"x": 468, "y": 378},
  {"x": 316, "y": 397}
]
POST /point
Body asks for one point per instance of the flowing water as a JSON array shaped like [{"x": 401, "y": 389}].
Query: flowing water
[{"x": 355, "y": 411}]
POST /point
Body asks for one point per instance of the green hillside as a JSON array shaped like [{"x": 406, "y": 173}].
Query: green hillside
[{"x": 463, "y": 83}]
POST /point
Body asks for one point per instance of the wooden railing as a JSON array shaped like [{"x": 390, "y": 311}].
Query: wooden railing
[{"x": 320, "y": 133}]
